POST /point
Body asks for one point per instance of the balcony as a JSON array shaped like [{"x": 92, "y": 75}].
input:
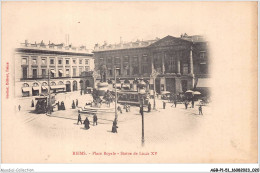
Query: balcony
[{"x": 45, "y": 77}]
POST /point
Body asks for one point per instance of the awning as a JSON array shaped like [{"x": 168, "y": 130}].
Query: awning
[
  {"x": 26, "y": 89},
  {"x": 203, "y": 83},
  {"x": 60, "y": 71},
  {"x": 58, "y": 87},
  {"x": 45, "y": 87},
  {"x": 36, "y": 88},
  {"x": 53, "y": 71}
]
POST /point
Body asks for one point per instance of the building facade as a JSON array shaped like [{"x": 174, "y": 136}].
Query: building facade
[
  {"x": 64, "y": 64},
  {"x": 179, "y": 62}
]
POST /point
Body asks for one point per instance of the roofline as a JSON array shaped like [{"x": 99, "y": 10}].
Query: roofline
[{"x": 29, "y": 50}]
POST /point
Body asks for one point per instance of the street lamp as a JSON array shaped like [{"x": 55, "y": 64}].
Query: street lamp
[
  {"x": 141, "y": 96},
  {"x": 115, "y": 96}
]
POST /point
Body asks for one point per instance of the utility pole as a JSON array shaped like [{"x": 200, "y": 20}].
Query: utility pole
[
  {"x": 142, "y": 121},
  {"x": 115, "y": 96}
]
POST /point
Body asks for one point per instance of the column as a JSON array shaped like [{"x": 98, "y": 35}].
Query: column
[
  {"x": 122, "y": 66},
  {"x": 140, "y": 64},
  {"x": 130, "y": 65},
  {"x": 152, "y": 63},
  {"x": 56, "y": 60},
  {"x": 29, "y": 67},
  {"x": 113, "y": 66},
  {"x": 191, "y": 62},
  {"x": 178, "y": 66},
  {"x": 63, "y": 66},
  {"x": 39, "y": 71},
  {"x": 163, "y": 66}
]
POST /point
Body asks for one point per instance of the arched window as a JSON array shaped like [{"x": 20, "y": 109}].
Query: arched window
[
  {"x": 44, "y": 84},
  {"x": 35, "y": 84},
  {"x": 60, "y": 83},
  {"x": 53, "y": 83},
  {"x": 25, "y": 85}
]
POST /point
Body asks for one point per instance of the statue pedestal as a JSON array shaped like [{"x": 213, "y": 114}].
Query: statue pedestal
[{"x": 102, "y": 87}]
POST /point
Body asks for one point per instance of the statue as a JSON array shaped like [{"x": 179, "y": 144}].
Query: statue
[{"x": 103, "y": 72}]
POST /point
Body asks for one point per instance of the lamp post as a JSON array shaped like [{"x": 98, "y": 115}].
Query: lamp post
[
  {"x": 141, "y": 96},
  {"x": 115, "y": 96}
]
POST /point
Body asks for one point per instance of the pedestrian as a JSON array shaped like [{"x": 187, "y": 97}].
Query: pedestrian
[
  {"x": 192, "y": 103},
  {"x": 73, "y": 105},
  {"x": 86, "y": 122},
  {"x": 141, "y": 110},
  {"x": 114, "y": 127},
  {"x": 79, "y": 119},
  {"x": 186, "y": 103},
  {"x": 164, "y": 104},
  {"x": 77, "y": 102},
  {"x": 58, "y": 104},
  {"x": 32, "y": 103},
  {"x": 95, "y": 119},
  {"x": 149, "y": 107},
  {"x": 200, "y": 110},
  {"x": 119, "y": 109},
  {"x": 19, "y": 107},
  {"x": 175, "y": 103}
]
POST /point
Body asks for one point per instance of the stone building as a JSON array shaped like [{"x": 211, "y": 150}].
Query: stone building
[
  {"x": 33, "y": 62},
  {"x": 180, "y": 62}
]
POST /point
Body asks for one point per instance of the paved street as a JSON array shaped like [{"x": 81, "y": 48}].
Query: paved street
[{"x": 162, "y": 127}]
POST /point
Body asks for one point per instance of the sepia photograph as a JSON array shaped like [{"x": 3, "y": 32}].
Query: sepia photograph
[{"x": 129, "y": 82}]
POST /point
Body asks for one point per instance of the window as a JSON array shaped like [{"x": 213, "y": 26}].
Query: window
[
  {"x": 87, "y": 68},
  {"x": 135, "y": 65},
  {"x": 170, "y": 65},
  {"x": 53, "y": 83},
  {"x": 34, "y": 60},
  {"x": 67, "y": 61},
  {"x": 67, "y": 72},
  {"x": 117, "y": 60},
  {"x": 51, "y": 61},
  {"x": 24, "y": 61},
  {"x": 80, "y": 61},
  {"x": 34, "y": 73},
  {"x": 86, "y": 61},
  {"x": 52, "y": 74},
  {"x": 60, "y": 61},
  {"x": 25, "y": 85},
  {"x": 74, "y": 72},
  {"x": 60, "y": 73},
  {"x": 145, "y": 59},
  {"x": 185, "y": 69},
  {"x": 202, "y": 55},
  {"x": 118, "y": 71},
  {"x": 80, "y": 70},
  {"x": 44, "y": 61},
  {"x": 203, "y": 68},
  {"x": 109, "y": 60},
  {"x": 35, "y": 84},
  {"x": 43, "y": 73},
  {"x": 74, "y": 61},
  {"x": 24, "y": 72},
  {"x": 110, "y": 72}
]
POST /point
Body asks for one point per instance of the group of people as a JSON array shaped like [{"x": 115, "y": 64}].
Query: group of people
[
  {"x": 73, "y": 106},
  {"x": 86, "y": 121},
  {"x": 61, "y": 105},
  {"x": 186, "y": 104}
]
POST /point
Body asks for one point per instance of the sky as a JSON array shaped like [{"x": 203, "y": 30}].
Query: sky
[{"x": 88, "y": 23}]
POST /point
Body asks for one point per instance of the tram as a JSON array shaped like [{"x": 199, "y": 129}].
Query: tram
[{"x": 133, "y": 98}]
